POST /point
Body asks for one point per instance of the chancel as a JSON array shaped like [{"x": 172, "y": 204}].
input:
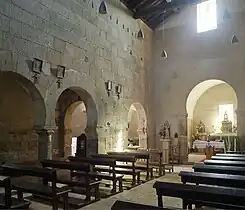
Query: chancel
[{"x": 120, "y": 97}]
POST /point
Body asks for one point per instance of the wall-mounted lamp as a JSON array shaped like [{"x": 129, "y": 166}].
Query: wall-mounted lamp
[
  {"x": 118, "y": 90},
  {"x": 60, "y": 74},
  {"x": 103, "y": 8},
  {"x": 37, "y": 66},
  {"x": 234, "y": 40},
  {"x": 164, "y": 54},
  {"x": 140, "y": 34},
  {"x": 108, "y": 86}
]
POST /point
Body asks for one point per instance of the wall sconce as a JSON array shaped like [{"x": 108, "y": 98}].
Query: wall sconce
[
  {"x": 164, "y": 54},
  {"x": 108, "y": 86},
  {"x": 103, "y": 8},
  {"x": 118, "y": 90},
  {"x": 37, "y": 66},
  {"x": 60, "y": 74},
  {"x": 140, "y": 34},
  {"x": 234, "y": 40}
]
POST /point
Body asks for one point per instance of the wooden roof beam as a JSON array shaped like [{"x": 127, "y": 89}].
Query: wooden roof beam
[{"x": 161, "y": 7}]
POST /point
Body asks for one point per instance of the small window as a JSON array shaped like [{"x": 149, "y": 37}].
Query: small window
[{"x": 206, "y": 16}]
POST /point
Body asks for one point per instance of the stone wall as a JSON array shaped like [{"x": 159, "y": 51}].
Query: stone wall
[
  {"x": 193, "y": 58},
  {"x": 93, "y": 47}
]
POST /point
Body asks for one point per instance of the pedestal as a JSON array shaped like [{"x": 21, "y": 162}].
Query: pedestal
[
  {"x": 209, "y": 153},
  {"x": 165, "y": 148}
]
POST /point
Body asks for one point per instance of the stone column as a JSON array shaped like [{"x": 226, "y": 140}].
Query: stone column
[
  {"x": 142, "y": 138},
  {"x": 45, "y": 142},
  {"x": 165, "y": 148},
  {"x": 183, "y": 141},
  {"x": 241, "y": 128}
]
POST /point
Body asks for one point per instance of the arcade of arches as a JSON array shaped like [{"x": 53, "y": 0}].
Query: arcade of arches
[{"x": 201, "y": 79}]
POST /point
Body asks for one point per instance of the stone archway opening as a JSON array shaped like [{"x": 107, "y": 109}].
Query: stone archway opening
[
  {"x": 208, "y": 103},
  {"x": 22, "y": 112},
  {"x": 137, "y": 126},
  {"x": 76, "y": 114}
]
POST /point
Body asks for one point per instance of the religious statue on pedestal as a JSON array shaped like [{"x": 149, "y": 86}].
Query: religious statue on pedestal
[
  {"x": 200, "y": 128},
  {"x": 226, "y": 124},
  {"x": 165, "y": 130}
]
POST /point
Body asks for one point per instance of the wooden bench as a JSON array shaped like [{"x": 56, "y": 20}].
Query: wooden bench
[
  {"x": 225, "y": 180},
  {"x": 8, "y": 202},
  {"x": 111, "y": 176},
  {"x": 241, "y": 158},
  {"x": 135, "y": 173},
  {"x": 156, "y": 160},
  {"x": 84, "y": 185},
  {"x": 123, "y": 205},
  {"x": 217, "y": 197},
  {"x": 230, "y": 155},
  {"x": 139, "y": 156},
  {"x": 219, "y": 169},
  {"x": 36, "y": 188},
  {"x": 225, "y": 163},
  {"x": 235, "y": 152}
]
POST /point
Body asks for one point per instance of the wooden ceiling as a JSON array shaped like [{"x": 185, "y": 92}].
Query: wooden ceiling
[{"x": 154, "y": 12}]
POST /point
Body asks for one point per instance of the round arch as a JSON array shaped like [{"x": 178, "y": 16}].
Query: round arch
[
  {"x": 24, "y": 113},
  {"x": 138, "y": 110},
  {"x": 195, "y": 94},
  {"x": 69, "y": 99}
]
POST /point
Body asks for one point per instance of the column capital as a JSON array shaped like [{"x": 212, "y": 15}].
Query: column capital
[{"x": 46, "y": 130}]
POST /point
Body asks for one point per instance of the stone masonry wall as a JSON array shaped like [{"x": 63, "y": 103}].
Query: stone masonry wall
[{"x": 93, "y": 47}]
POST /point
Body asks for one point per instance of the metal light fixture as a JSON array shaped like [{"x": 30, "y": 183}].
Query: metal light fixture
[
  {"x": 108, "y": 86},
  {"x": 234, "y": 40},
  {"x": 140, "y": 34},
  {"x": 164, "y": 54},
  {"x": 37, "y": 66},
  {"x": 103, "y": 8},
  {"x": 118, "y": 90},
  {"x": 60, "y": 74}
]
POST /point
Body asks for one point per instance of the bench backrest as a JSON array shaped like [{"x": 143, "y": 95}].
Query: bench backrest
[
  {"x": 123, "y": 205},
  {"x": 94, "y": 161},
  {"x": 121, "y": 158},
  {"x": 59, "y": 164},
  {"x": 138, "y": 155},
  {"x": 224, "y": 162}
]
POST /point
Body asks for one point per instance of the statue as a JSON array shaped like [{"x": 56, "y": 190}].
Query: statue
[
  {"x": 165, "y": 130},
  {"x": 226, "y": 117},
  {"x": 200, "y": 128},
  {"x": 168, "y": 128},
  {"x": 162, "y": 132}
]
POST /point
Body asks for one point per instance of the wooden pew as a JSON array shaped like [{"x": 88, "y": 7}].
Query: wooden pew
[
  {"x": 123, "y": 205},
  {"x": 111, "y": 176},
  {"x": 230, "y": 155},
  {"x": 84, "y": 185},
  {"x": 241, "y": 158},
  {"x": 235, "y": 152},
  {"x": 139, "y": 156},
  {"x": 135, "y": 173},
  {"x": 156, "y": 160},
  {"x": 8, "y": 202},
  {"x": 219, "y": 169},
  {"x": 217, "y": 197},
  {"x": 225, "y": 180},
  {"x": 225, "y": 163},
  {"x": 37, "y": 188}
]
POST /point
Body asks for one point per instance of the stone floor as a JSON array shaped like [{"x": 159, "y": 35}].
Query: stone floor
[{"x": 143, "y": 194}]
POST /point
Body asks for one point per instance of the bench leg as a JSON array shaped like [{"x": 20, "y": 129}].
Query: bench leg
[
  {"x": 147, "y": 174},
  {"x": 120, "y": 185},
  {"x": 138, "y": 178},
  {"x": 134, "y": 180},
  {"x": 184, "y": 204},
  {"x": 114, "y": 186},
  {"x": 160, "y": 202},
  {"x": 65, "y": 201},
  {"x": 55, "y": 203},
  {"x": 151, "y": 173},
  {"x": 97, "y": 192},
  {"x": 88, "y": 194}
]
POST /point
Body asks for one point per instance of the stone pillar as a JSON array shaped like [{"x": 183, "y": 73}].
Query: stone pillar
[
  {"x": 165, "y": 148},
  {"x": 241, "y": 128},
  {"x": 45, "y": 142},
  {"x": 183, "y": 141},
  {"x": 142, "y": 138}
]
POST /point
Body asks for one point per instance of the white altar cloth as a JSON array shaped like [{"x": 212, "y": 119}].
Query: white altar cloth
[{"x": 199, "y": 144}]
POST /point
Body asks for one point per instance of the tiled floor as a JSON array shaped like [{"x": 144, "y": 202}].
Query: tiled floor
[{"x": 144, "y": 194}]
